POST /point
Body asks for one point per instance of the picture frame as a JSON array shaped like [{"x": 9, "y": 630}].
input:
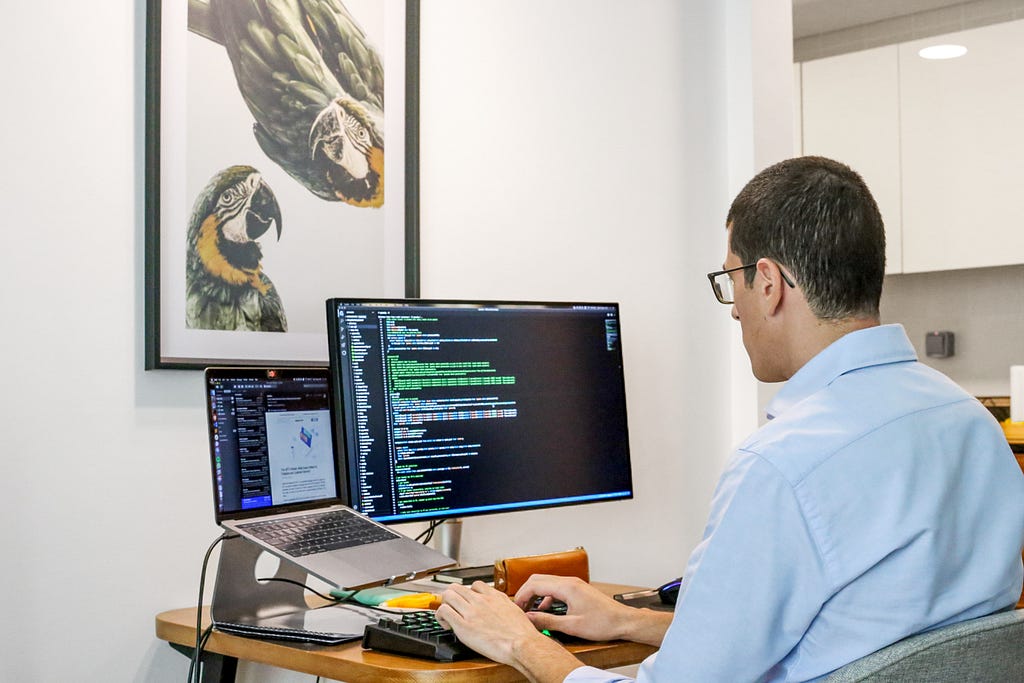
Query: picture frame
[{"x": 251, "y": 131}]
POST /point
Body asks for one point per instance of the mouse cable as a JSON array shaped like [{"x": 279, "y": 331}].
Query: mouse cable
[{"x": 201, "y": 635}]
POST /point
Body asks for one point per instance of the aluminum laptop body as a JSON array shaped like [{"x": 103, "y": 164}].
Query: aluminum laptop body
[{"x": 273, "y": 458}]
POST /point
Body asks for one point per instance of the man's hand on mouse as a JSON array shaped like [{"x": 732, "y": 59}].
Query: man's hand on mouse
[{"x": 591, "y": 614}]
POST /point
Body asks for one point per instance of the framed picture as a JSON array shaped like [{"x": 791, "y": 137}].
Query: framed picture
[{"x": 281, "y": 170}]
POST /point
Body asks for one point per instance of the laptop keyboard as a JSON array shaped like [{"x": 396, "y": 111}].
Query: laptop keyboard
[{"x": 317, "y": 532}]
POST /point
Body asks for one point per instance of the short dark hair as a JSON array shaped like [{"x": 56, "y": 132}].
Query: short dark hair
[{"x": 817, "y": 218}]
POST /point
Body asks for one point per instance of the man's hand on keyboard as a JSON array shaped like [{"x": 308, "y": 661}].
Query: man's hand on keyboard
[{"x": 488, "y": 622}]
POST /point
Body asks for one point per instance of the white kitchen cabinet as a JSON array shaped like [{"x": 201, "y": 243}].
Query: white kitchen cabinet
[
  {"x": 962, "y": 144},
  {"x": 850, "y": 112}
]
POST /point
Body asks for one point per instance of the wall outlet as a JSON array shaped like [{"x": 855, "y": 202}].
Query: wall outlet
[{"x": 939, "y": 344}]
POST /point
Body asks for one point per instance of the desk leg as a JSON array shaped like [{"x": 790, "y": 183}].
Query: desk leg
[{"x": 216, "y": 668}]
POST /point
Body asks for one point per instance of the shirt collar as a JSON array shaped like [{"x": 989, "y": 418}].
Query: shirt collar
[{"x": 860, "y": 349}]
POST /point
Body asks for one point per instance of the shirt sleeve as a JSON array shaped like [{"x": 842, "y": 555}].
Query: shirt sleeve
[
  {"x": 588, "y": 674},
  {"x": 751, "y": 587}
]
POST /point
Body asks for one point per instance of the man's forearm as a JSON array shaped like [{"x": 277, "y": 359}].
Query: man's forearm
[
  {"x": 647, "y": 626},
  {"x": 543, "y": 659}
]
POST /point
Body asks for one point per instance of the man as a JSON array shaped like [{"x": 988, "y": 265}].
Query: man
[{"x": 879, "y": 501}]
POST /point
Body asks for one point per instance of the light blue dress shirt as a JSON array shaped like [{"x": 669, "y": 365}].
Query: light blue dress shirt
[{"x": 880, "y": 500}]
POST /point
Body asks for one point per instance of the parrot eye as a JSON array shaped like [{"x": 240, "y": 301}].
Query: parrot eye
[
  {"x": 236, "y": 192},
  {"x": 231, "y": 199},
  {"x": 356, "y": 129}
]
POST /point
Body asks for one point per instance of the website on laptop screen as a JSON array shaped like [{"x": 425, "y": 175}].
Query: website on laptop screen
[{"x": 271, "y": 439}]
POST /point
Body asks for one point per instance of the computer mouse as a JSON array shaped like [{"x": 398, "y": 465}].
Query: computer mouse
[{"x": 668, "y": 592}]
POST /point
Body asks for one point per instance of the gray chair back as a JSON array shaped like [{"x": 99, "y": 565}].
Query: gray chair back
[{"x": 982, "y": 650}]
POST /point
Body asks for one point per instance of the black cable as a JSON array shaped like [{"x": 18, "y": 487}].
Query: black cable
[
  {"x": 201, "y": 636},
  {"x": 429, "y": 531},
  {"x": 336, "y": 600},
  {"x": 207, "y": 632},
  {"x": 314, "y": 592}
]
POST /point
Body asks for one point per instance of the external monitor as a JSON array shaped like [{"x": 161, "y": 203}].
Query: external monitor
[{"x": 454, "y": 408}]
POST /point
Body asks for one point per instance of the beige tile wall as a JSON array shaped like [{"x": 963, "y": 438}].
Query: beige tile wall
[{"x": 983, "y": 307}]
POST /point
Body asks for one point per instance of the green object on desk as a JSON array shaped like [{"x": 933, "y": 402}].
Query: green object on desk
[{"x": 369, "y": 596}]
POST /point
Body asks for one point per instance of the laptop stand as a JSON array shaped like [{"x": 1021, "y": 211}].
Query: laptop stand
[
  {"x": 274, "y": 609},
  {"x": 239, "y": 597}
]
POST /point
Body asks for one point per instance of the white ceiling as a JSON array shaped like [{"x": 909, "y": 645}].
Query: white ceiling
[{"x": 811, "y": 17}]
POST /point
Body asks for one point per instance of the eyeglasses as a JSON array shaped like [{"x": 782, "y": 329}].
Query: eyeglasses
[{"x": 723, "y": 285}]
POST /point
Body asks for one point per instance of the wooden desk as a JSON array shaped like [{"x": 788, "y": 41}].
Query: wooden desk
[{"x": 350, "y": 663}]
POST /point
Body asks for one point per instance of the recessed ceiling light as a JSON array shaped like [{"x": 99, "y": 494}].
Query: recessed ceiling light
[{"x": 943, "y": 51}]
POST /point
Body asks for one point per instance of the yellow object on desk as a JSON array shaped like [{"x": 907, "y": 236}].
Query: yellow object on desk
[
  {"x": 414, "y": 601},
  {"x": 1014, "y": 431},
  {"x": 389, "y": 597}
]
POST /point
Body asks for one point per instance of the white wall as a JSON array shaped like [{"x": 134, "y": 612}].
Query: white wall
[
  {"x": 566, "y": 171},
  {"x": 571, "y": 149}
]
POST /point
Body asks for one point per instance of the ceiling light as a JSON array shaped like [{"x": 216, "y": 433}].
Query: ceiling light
[{"x": 943, "y": 51}]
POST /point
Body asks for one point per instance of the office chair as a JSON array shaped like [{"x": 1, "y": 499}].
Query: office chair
[{"x": 988, "y": 649}]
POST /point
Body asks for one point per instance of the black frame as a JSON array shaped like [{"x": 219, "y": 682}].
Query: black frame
[
  {"x": 718, "y": 294},
  {"x": 151, "y": 283}
]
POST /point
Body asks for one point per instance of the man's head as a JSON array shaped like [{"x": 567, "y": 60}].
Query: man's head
[
  {"x": 805, "y": 262},
  {"x": 817, "y": 219}
]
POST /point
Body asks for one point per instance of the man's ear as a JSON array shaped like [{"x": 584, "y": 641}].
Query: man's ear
[{"x": 770, "y": 284}]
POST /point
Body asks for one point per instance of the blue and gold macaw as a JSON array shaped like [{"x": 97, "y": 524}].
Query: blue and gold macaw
[
  {"x": 225, "y": 286},
  {"x": 314, "y": 85}
]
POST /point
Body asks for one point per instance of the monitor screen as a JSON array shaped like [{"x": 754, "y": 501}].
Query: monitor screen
[{"x": 455, "y": 408}]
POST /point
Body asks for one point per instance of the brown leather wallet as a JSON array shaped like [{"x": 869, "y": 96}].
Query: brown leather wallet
[{"x": 512, "y": 572}]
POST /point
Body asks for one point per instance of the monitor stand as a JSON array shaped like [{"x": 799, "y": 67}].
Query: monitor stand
[{"x": 449, "y": 538}]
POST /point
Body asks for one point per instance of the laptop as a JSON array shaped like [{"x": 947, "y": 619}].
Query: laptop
[{"x": 278, "y": 484}]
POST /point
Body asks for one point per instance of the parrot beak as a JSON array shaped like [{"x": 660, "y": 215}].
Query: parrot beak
[
  {"x": 263, "y": 212},
  {"x": 326, "y": 131}
]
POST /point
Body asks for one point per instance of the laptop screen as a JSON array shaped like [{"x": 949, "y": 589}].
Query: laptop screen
[{"x": 270, "y": 440}]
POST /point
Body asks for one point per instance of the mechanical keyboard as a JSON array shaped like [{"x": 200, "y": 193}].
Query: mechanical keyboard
[{"x": 419, "y": 634}]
